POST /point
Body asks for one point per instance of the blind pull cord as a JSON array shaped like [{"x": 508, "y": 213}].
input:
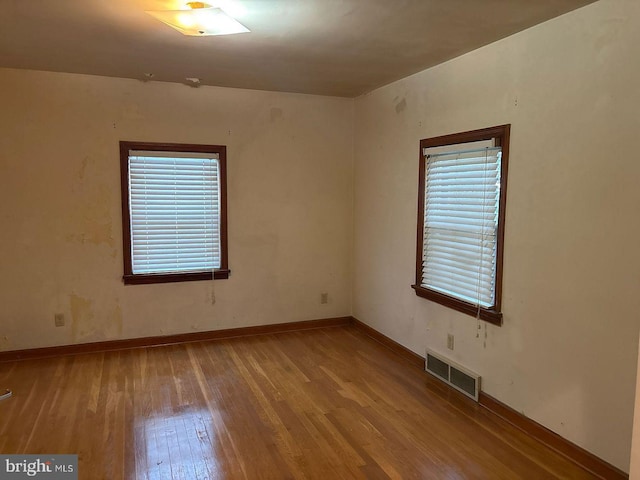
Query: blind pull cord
[
  {"x": 484, "y": 202},
  {"x": 213, "y": 265}
]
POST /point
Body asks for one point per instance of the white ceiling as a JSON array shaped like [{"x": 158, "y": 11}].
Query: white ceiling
[{"x": 327, "y": 47}]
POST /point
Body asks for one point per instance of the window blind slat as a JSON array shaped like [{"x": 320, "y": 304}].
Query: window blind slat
[
  {"x": 185, "y": 216},
  {"x": 185, "y": 168},
  {"x": 150, "y": 201},
  {"x": 455, "y": 291},
  {"x": 460, "y": 276},
  {"x": 448, "y": 262},
  {"x": 186, "y": 190},
  {"x": 171, "y": 179},
  {"x": 185, "y": 255},
  {"x": 455, "y": 161},
  {"x": 463, "y": 288}
]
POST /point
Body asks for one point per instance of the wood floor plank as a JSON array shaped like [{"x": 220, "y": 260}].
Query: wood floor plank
[{"x": 322, "y": 404}]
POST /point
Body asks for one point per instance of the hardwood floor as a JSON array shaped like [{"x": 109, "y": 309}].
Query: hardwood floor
[{"x": 321, "y": 404}]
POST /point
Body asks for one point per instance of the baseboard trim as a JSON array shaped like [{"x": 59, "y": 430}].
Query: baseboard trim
[
  {"x": 555, "y": 442},
  {"x": 570, "y": 450},
  {"x": 411, "y": 357},
  {"x": 111, "y": 345}
]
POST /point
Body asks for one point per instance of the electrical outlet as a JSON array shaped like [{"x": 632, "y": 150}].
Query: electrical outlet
[
  {"x": 324, "y": 298},
  {"x": 59, "y": 319},
  {"x": 450, "y": 341}
]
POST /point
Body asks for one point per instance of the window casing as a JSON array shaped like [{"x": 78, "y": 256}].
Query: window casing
[
  {"x": 173, "y": 212},
  {"x": 461, "y": 211}
]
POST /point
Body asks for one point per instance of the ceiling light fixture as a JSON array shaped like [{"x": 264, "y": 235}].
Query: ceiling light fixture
[{"x": 200, "y": 20}]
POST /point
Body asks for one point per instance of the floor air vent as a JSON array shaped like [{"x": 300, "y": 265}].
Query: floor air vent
[{"x": 458, "y": 377}]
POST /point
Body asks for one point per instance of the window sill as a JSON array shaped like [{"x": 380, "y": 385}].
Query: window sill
[
  {"x": 174, "y": 277},
  {"x": 491, "y": 316}
]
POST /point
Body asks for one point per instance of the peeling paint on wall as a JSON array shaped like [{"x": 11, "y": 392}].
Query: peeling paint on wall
[
  {"x": 99, "y": 233},
  {"x": 81, "y": 317},
  {"x": 94, "y": 220},
  {"x": 117, "y": 320}
]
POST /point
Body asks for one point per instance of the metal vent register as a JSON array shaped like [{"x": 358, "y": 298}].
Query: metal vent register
[{"x": 458, "y": 377}]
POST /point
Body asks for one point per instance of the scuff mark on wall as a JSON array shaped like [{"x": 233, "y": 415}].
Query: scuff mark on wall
[
  {"x": 83, "y": 168},
  {"x": 401, "y": 105},
  {"x": 81, "y": 317}
]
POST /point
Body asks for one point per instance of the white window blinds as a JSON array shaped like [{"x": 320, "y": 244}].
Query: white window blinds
[
  {"x": 174, "y": 206},
  {"x": 461, "y": 204}
]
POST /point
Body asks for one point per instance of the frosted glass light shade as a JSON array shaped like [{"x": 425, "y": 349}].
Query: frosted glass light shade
[{"x": 200, "y": 22}]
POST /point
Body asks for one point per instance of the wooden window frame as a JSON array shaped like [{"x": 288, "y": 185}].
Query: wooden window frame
[
  {"x": 134, "y": 279},
  {"x": 500, "y": 134}
]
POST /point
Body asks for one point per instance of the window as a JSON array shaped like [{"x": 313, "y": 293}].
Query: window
[
  {"x": 461, "y": 210},
  {"x": 173, "y": 212}
]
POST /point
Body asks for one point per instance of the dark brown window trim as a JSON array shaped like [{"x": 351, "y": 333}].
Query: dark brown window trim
[
  {"x": 501, "y": 135},
  {"x": 129, "y": 277},
  {"x": 488, "y": 315},
  {"x": 174, "y": 277}
]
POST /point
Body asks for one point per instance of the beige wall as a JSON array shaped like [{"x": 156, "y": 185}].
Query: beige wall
[
  {"x": 566, "y": 355},
  {"x": 635, "y": 444},
  {"x": 290, "y": 166}
]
